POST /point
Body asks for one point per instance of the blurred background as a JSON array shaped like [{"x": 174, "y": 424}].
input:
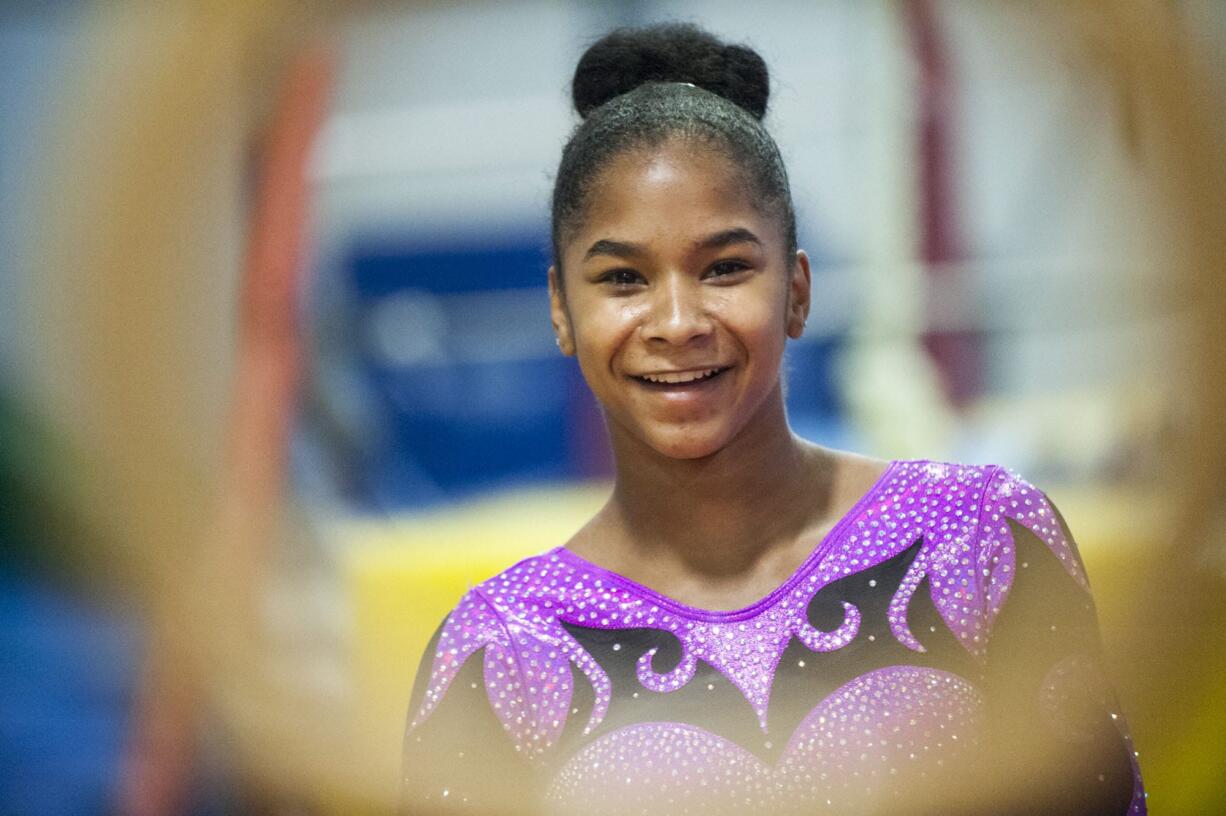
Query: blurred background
[{"x": 277, "y": 381}]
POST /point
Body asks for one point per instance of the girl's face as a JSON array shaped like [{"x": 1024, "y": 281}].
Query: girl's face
[{"x": 678, "y": 299}]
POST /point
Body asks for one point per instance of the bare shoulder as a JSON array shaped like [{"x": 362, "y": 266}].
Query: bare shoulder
[
  {"x": 588, "y": 540},
  {"x": 852, "y": 474},
  {"x": 860, "y": 467}
]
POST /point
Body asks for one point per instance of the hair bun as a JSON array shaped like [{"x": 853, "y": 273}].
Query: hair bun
[{"x": 626, "y": 58}]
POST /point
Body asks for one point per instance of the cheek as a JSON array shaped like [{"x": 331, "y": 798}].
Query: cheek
[
  {"x": 603, "y": 325},
  {"x": 601, "y": 330},
  {"x": 761, "y": 320}
]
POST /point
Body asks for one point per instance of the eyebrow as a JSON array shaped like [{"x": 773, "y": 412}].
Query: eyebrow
[
  {"x": 728, "y": 237},
  {"x": 717, "y": 240},
  {"x": 618, "y": 249}
]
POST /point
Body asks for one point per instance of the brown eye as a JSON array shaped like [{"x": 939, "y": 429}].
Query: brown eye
[
  {"x": 723, "y": 269},
  {"x": 621, "y": 277}
]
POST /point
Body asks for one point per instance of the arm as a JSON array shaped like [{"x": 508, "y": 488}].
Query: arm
[
  {"x": 1059, "y": 740},
  {"x": 458, "y": 756}
]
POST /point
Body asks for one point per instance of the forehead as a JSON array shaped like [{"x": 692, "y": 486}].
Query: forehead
[{"x": 669, "y": 194}]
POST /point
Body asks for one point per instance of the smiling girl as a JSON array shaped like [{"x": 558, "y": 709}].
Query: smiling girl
[{"x": 752, "y": 620}]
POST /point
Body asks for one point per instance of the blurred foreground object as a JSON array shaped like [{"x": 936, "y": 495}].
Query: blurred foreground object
[
  {"x": 237, "y": 554},
  {"x": 144, "y": 211}
]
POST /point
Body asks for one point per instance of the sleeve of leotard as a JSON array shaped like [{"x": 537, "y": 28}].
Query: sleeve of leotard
[
  {"x": 458, "y": 755},
  {"x": 1059, "y": 742}
]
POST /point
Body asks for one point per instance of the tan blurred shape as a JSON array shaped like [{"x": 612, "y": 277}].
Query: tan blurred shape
[{"x": 142, "y": 203}]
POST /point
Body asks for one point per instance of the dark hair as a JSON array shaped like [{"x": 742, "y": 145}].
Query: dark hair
[{"x": 639, "y": 87}]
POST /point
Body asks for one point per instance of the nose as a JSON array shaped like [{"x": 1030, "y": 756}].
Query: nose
[{"x": 678, "y": 313}]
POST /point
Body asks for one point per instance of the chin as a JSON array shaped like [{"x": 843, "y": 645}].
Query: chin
[{"x": 689, "y": 446}]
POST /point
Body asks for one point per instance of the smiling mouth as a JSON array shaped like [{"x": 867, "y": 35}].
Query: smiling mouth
[{"x": 680, "y": 378}]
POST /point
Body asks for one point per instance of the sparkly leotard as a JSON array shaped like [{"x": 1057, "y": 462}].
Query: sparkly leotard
[{"x": 943, "y": 625}]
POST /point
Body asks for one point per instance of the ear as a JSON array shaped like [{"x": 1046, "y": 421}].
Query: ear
[
  {"x": 558, "y": 315},
  {"x": 799, "y": 289}
]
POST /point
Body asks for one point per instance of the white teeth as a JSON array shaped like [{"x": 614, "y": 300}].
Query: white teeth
[{"x": 675, "y": 378}]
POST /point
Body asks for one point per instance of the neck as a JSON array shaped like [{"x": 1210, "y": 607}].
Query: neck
[{"x": 721, "y": 514}]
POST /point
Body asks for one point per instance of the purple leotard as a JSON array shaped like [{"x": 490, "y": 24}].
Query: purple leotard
[{"x": 943, "y": 619}]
